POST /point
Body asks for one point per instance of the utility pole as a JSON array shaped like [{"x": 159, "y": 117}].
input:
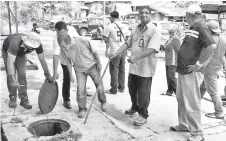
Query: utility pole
[
  {"x": 15, "y": 8},
  {"x": 104, "y": 17},
  {"x": 10, "y": 30}
]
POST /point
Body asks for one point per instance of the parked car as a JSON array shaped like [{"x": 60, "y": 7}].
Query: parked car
[{"x": 84, "y": 27}]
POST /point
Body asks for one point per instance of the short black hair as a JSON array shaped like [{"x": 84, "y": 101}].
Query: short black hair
[
  {"x": 114, "y": 14},
  {"x": 145, "y": 7},
  {"x": 34, "y": 24},
  {"x": 61, "y": 25},
  {"x": 63, "y": 37}
]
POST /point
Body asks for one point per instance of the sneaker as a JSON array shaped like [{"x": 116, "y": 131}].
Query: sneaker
[
  {"x": 121, "y": 90},
  {"x": 140, "y": 121},
  {"x": 25, "y": 103},
  {"x": 67, "y": 104},
  {"x": 214, "y": 115},
  {"x": 103, "y": 107},
  {"x": 130, "y": 112},
  {"x": 179, "y": 128},
  {"x": 167, "y": 93},
  {"x": 82, "y": 114},
  {"x": 196, "y": 138},
  {"x": 13, "y": 102},
  {"x": 109, "y": 92}
]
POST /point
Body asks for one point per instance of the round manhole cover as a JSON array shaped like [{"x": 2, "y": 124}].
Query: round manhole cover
[{"x": 48, "y": 127}]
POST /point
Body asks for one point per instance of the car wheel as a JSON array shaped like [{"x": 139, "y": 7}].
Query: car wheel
[{"x": 83, "y": 32}]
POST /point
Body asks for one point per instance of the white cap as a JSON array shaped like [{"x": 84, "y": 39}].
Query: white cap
[
  {"x": 194, "y": 9},
  {"x": 32, "y": 39},
  {"x": 214, "y": 26}
]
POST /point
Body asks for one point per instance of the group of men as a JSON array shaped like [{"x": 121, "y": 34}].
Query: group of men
[{"x": 195, "y": 52}]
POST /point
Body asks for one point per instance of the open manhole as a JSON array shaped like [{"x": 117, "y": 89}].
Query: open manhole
[{"x": 48, "y": 127}]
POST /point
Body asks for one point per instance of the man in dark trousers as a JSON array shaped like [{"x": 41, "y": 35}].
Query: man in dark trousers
[
  {"x": 15, "y": 48},
  {"x": 145, "y": 44}
]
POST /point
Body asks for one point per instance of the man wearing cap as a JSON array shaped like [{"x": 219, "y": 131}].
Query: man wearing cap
[
  {"x": 190, "y": 76},
  {"x": 15, "y": 48},
  {"x": 145, "y": 44},
  {"x": 115, "y": 37},
  {"x": 212, "y": 70}
]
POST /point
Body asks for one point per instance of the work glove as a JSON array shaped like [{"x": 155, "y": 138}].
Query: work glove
[{"x": 13, "y": 82}]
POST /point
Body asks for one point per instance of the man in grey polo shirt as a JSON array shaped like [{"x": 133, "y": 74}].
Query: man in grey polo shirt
[{"x": 190, "y": 78}]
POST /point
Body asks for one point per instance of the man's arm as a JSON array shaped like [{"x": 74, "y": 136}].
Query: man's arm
[
  {"x": 69, "y": 65},
  {"x": 11, "y": 70},
  {"x": 45, "y": 68},
  {"x": 97, "y": 58},
  {"x": 55, "y": 66}
]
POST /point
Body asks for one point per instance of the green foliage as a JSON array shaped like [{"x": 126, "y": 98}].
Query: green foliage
[{"x": 28, "y": 11}]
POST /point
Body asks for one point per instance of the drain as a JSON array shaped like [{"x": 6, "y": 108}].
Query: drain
[{"x": 48, "y": 127}]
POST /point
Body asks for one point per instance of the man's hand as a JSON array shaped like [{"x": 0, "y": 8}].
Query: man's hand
[
  {"x": 194, "y": 67},
  {"x": 132, "y": 59},
  {"x": 112, "y": 55},
  {"x": 50, "y": 79},
  {"x": 99, "y": 67},
  {"x": 15, "y": 84},
  {"x": 55, "y": 77},
  {"x": 72, "y": 79}
]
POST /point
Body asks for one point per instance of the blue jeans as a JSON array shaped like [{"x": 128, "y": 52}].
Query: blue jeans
[
  {"x": 20, "y": 69},
  {"x": 117, "y": 72},
  {"x": 171, "y": 78},
  {"x": 81, "y": 86}
]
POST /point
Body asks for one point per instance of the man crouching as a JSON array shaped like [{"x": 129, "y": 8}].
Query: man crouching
[{"x": 86, "y": 62}]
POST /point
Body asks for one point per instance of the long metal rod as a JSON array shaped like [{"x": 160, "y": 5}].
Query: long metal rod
[{"x": 91, "y": 103}]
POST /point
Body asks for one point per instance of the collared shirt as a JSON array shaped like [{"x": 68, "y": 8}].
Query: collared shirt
[
  {"x": 140, "y": 41},
  {"x": 81, "y": 54},
  {"x": 216, "y": 63},
  {"x": 114, "y": 36},
  {"x": 13, "y": 45},
  {"x": 56, "y": 48},
  {"x": 170, "y": 51},
  {"x": 197, "y": 38}
]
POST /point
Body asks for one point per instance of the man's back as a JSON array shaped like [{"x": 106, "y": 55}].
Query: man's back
[{"x": 81, "y": 54}]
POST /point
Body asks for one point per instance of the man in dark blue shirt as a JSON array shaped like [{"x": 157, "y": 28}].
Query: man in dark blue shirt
[
  {"x": 190, "y": 76},
  {"x": 14, "y": 50}
]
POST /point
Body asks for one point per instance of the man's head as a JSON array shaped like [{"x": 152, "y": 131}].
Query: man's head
[
  {"x": 64, "y": 41},
  {"x": 145, "y": 15},
  {"x": 60, "y": 27},
  {"x": 35, "y": 25},
  {"x": 114, "y": 15},
  {"x": 193, "y": 13},
  {"x": 31, "y": 40},
  {"x": 214, "y": 26}
]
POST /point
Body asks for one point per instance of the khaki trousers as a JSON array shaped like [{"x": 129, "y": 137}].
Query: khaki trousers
[{"x": 189, "y": 101}]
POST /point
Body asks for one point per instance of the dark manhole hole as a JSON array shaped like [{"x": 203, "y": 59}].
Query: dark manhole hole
[{"x": 48, "y": 127}]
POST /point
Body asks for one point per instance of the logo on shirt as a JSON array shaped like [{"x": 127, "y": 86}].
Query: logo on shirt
[{"x": 192, "y": 33}]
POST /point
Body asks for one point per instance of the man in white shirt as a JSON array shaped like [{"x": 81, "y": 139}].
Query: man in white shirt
[
  {"x": 114, "y": 38},
  {"x": 144, "y": 43},
  {"x": 61, "y": 27}
]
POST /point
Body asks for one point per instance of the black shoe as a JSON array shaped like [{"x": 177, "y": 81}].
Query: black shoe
[
  {"x": 130, "y": 112},
  {"x": 25, "y": 103},
  {"x": 13, "y": 102},
  {"x": 109, "y": 92},
  {"x": 121, "y": 90},
  {"x": 67, "y": 104}
]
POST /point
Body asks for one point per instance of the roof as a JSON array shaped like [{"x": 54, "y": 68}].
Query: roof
[{"x": 213, "y": 8}]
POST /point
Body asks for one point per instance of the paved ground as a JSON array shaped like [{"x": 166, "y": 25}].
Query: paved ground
[{"x": 112, "y": 125}]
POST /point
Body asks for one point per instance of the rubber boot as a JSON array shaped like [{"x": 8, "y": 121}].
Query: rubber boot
[
  {"x": 25, "y": 103},
  {"x": 12, "y": 101}
]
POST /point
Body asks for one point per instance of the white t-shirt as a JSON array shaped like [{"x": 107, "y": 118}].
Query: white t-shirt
[
  {"x": 115, "y": 37},
  {"x": 56, "y": 48}
]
